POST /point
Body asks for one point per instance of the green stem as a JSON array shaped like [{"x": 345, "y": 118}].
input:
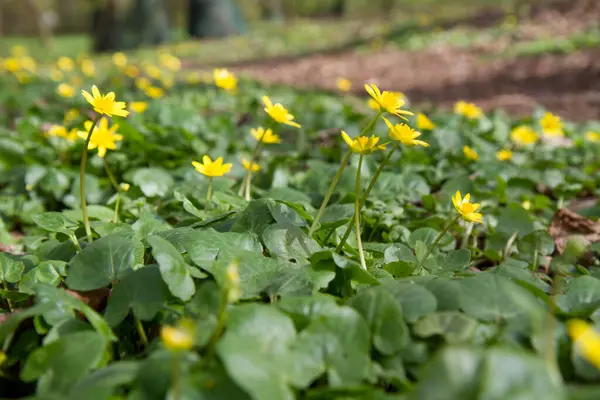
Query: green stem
[
  {"x": 248, "y": 185},
  {"x": 329, "y": 193},
  {"x": 111, "y": 176},
  {"x": 384, "y": 162},
  {"x": 86, "y": 219},
  {"x": 176, "y": 377},
  {"x": 212, "y": 343},
  {"x": 361, "y": 254},
  {"x": 434, "y": 244},
  {"x": 371, "y": 124},
  {"x": 534, "y": 264},
  {"x": 10, "y": 305},
  {"x": 209, "y": 192},
  {"x": 246, "y": 182},
  {"x": 117, "y": 204},
  {"x": 74, "y": 240},
  {"x": 141, "y": 332}
]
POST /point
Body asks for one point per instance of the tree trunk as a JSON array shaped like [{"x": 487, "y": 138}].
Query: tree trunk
[{"x": 214, "y": 18}]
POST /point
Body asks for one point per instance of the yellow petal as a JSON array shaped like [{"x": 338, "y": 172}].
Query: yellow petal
[{"x": 206, "y": 160}]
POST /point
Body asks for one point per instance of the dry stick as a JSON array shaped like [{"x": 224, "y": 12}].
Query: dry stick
[
  {"x": 366, "y": 195},
  {"x": 86, "y": 220}
]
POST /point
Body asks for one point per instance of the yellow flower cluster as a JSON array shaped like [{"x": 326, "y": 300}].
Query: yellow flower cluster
[{"x": 466, "y": 209}]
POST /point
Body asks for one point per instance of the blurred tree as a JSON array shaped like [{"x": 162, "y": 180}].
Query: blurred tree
[{"x": 214, "y": 18}]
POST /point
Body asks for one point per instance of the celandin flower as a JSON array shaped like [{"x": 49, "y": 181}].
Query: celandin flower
[
  {"x": 424, "y": 123},
  {"x": 469, "y": 110},
  {"x": 470, "y": 153},
  {"x": 105, "y": 104},
  {"x": 362, "y": 144},
  {"x": 526, "y": 205},
  {"x": 466, "y": 208},
  {"x": 586, "y": 340},
  {"x": 103, "y": 137},
  {"x": 154, "y": 92},
  {"x": 143, "y": 83},
  {"x": 225, "y": 79},
  {"x": 153, "y": 71},
  {"x": 88, "y": 67},
  {"x": 390, "y": 101},
  {"x": 12, "y": 64},
  {"x": 138, "y": 106},
  {"x": 65, "y": 90},
  {"x": 65, "y": 64},
  {"x": 405, "y": 134},
  {"x": 504, "y": 155},
  {"x": 170, "y": 61},
  {"x": 71, "y": 115},
  {"x": 248, "y": 166},
  {"x": 343, "y": 85},
  {"x": 212, "y": 168},
  {"x": 132, "y": 71},
  {"x": 57, "y": 131},
  {"x": 266, "y": 136},
  {"x": 279, "y": 113},
  {"x": 119, "y": 59},
  {"x": 179, "y": 338},
  {"x": 124, "y": 186},
  {"x": 524, "y": 135},
  {"x": 593, "y": 136},
  {"x": 551, "y": 125}
]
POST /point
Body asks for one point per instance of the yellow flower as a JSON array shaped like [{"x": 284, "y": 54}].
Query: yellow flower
[
  {"x": 154, "y": 92},
  {"x": 469, "y": 110},
  {"x": 466, "y": 208},
  {"x": 65, "y": 64},
  {"x": 167, "y": 82},
  {"x": 374, "y": 105},
  {"x": 526, "y": 205},
  {"x": 57, "y": 131},
  {"x": 233, "y": 282},
  {"x": 504, "y": 155},
  {"x": 103, "y": 138},
  {"x": 279, "y": 113},
  {"x": 523, "y": 135},
  {"x": 212, "y": 168},
  {"x": 88, "y": 67},
  {"x": 193, "y": 78},
  {"x": 552, "y": 125},
  {"x": 105, "y": 103},
  {"x": 73, "y": 135},
  {"x": 362, "y": 144},
  {"x": 153, "y": 71},
  {"x": 265, "y": 136},
  {"x": 18, "y": 51},
  {"x": 124, "y": 187},
  {"x": 225, "y": 79},
  {"x": 470, "y": 153},
  {"x": 12, "y": 64},
  {"x": 65, "y": 90},
  {"x": 343, "y": 85},
  {"x": 392, "y": 102},
  {"x": 424, "y": 123},
  {"x": 171, "y": 62},
  {"x": 593, "y": 136},
  {"x": 254, "y": 167},
  {"x": 586, "y": 340},
  {"x": 23, "y": 77},
  {"x": 143, "y": 83},
  {"x": 138, "y": 106},
  {"x": 132, "y": 71},
  {"x": 405, "y": 134},
  {"x": 179, "y": 338},
  {"x": 119, "y": 59},
  {"x": 56, "y": 75},
  {"x": 28, "y": 63},
  {"x": 71, "y": 115}
]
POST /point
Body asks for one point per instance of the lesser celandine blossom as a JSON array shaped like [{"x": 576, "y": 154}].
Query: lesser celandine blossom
[
  {"x": 468, "y": 110},
  {"x": 279, "y": 113},
  {"x": 362, "y": 144},
  {"x": 466, "y": 209},
  {"x": 178, "y": 338},
  {"x": 586, "y": 340},
  {"x": 343, "y": 84},
  {"x": 71, "y": 115},
  {"x": 105, "y": 104},
  {"x": 88, "y": 67},
  {"x": 62, "y": 132},
  {"x": 225, "y": 79},
  {"x": 405, "y": 134},
  {"x": 592, "y": 136},
  {"x": 154, "y": 92},
  {"x": 12, "y": 64},
  {"x": 250, "y": 166},
  {"x": 504, "y": 155},
  {"x": 65, "y": 90},
  {"x": 526, "y": 205},
  {"x": 124, "y": 186},
  {"x": 65, "y": 64},
  {"x": 171, "y": 62},
  {"x": 391, "y": 102},
  {"x": 523, "y": 135},
  {"x": 132, "y": 71},
  {"x": 470, "y": 153},
  {"x": 143, "y": 83},
  {"x": 212, "y": 168},
  {"x": 103, "y": 137},
  {"x": 424, "y": 123},
  {"x": 153, "y": 71},
  {"x": 551, "y": 125},
  {"x": 119, "y": 59},
  {"x": 138, "y": 106},
  {"x": 265, "y": 135}
]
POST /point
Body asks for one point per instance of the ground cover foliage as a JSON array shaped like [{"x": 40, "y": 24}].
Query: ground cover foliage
[{"x": 215, "y": 282}]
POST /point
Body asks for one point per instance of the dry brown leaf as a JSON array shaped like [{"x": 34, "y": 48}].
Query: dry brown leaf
[{"x": 567, "y": 223}]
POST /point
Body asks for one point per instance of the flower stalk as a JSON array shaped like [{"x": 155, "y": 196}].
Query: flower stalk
[
  {"x": 84, "y": 211},
  {"x": 435, "y": 243},
  {"x": 361, "y": 254}
]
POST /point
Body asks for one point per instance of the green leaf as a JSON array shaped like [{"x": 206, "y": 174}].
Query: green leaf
[
  {"x": 47, "y": 272},
  {"x": 581, "y": 297},
  {"x": 415, "y": 300},
  {"x": 302, "y": 309},
  {"x": 173, "y": 269},
  {"x": 205, "y": 308},
  {"x": 149, "y": 224},
  {"x": 427, "y": 236},
  {"x": 538, "y": 241},
  {"x": 54, "y": 222},
  {"x": 204, "y": 245},
  {"x": 399, "y": 252},
  {"x": 446, "y": 291},
  {"x": 143, "y": 291},
  {"x": 515, "y": 219},
  {"x": 254, "y": 218},
  {"x": 258, "y": 355},
  {"x": 289, "y": 242},
  {"x": 285, "y": 215},
  {"x": 384, "y": 316},
  {"x": 103, "y": 383},
  {"x": 457, "y": 260},
  {"x": 453, "y": 326},
  {"x": 11, "y": 269},
  {"x": 336, "y": 215},
  {"x": 61, "y": 363},
  {"x": 106, "y": 260},
  {"x": 152, "y": 181}
]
